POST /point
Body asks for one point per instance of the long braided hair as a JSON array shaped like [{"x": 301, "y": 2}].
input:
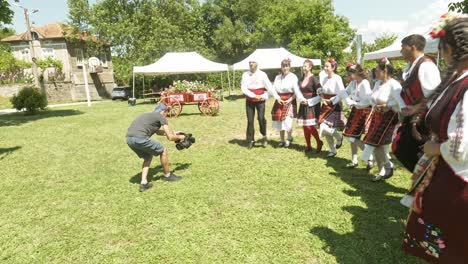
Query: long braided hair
[{"x": 456, "y": 36}]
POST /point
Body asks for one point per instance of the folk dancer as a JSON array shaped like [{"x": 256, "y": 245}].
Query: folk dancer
[
  {"x": 309, "y": 109},
  {"x": 421, "y": 77},
  {"x": 358, "y": 90},
  {"x": 383, "y": 119},
  {"x": 331, "y": 118},
  {"x": 256, "y": 86},
  {"x": 437, "y": 228},
  {"x": 285, "y": 109}
]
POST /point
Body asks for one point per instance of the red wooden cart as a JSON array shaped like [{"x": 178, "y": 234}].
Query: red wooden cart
[{"x": 207, "y": 104}]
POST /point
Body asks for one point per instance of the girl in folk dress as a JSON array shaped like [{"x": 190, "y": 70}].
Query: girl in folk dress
[
  {"x": 309, "y": 108},
  {"x": 384, "y": 117},
  {"x": 358, "y": 91},
  {"x": 331, "y": 117},
  {"x": 284, "y": 109},
  {"x": 437, "y": 227}
]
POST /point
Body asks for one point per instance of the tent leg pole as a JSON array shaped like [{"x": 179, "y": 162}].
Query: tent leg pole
[
  {"x": 133, "y": 85},
  {"x": 229, "y": 82},
  {"x": 144, "y": 99},
  {"x": 222, "y": 86}
]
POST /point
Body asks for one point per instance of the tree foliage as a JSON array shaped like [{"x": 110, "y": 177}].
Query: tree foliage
[
  {"x": 141, "y": 31},
  {"x": 6, "y": 14},
  {"x": 460, "y": 7}
]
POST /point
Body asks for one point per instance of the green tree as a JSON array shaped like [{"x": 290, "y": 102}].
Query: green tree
[
  {"x": 79, "y": 14},
  {"x": 460, "y": 7},
  {"x": 308, "y": 28},
  {"x": 6, "y": 14}
]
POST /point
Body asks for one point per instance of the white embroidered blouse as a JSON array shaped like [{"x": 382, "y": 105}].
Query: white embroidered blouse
[{"x": 455, "y": 149}]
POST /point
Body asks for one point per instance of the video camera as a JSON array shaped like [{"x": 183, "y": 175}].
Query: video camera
[{"x": 186, "y": 142}]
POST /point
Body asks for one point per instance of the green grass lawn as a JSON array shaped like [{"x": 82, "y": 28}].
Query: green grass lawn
[{"x": 69, "y": 194}]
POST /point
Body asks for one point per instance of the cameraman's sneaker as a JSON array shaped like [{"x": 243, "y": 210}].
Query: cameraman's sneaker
[
  {"x": 172, "y": 177},
  {"x": 144, "y": 187}
]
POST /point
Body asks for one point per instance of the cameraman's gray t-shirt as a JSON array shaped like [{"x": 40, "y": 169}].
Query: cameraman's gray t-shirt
[{"x": 146, "y": 124}]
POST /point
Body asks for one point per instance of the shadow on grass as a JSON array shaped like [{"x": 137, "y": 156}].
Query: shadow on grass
[
  {"x": 17, "y": 119},
  {"x": 136, "y": 179},
  {"x": 7, "y": 151},
  {"x": 377, "y": 226},
  {"x": 234, "y": 97}
]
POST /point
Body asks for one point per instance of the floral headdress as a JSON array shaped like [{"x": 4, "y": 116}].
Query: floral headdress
[
  {"x": 350, "y": 66},
  {"x": 384, "y": 61},
  {"x": 332, "y": 61},
  {"x": 439, "y": 30}
]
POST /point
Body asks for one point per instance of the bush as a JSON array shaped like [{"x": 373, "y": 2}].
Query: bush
[{"x": 31, "y": 99}]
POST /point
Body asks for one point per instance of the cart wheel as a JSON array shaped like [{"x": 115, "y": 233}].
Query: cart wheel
[
  {"x": 173, "y": 106},
  {"x": 210, "y": 106}
]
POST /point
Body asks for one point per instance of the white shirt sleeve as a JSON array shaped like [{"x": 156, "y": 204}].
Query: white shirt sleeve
[
  {"x": 297, "y": 91},
  {"x": 244, "y": 83},
  {"x": 364, "y": 93},
  {"x": 349, "y": 89},
  {"x": 269, "y": 87},
  {"x": 340, "y": 91},
  {"x": 429, "y": 76},
  {"x": 395, "y": 96},
  {"x": 455, "y": 149}
]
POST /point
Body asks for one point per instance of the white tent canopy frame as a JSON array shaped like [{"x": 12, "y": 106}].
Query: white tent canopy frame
[
  {"x": 271, "y": 59},
  {"x": 180, "y": 63},
  {"x": 393, "y": 51}
]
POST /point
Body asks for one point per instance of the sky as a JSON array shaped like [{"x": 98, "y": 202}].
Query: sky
[{"x": 372, "y": 18}]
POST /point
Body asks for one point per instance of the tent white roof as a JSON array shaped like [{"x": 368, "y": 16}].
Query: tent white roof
[
  {"x": 393, "y": 51},
  {"x": 271, "y": 59},
  {"x": 179, "y": 63}
]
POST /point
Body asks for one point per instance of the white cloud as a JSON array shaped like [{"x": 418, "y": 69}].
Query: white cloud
[{"x": 423, "y": 19}]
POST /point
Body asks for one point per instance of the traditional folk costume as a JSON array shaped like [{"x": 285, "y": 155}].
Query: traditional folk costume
[
  {"x": 252, "y": 84},
  {"x": 358, "y": 93},
  {"x": 437, "y": 227},
  {"x": 308, "y": 114},
  {"x": 331, "y": 117},
  {"x": 382, "y": 124},
  {"x": 282, "y": 115},
  {"x": 420, "y": 79}
]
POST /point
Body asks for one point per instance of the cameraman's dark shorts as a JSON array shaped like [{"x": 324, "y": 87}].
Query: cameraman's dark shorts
[{"x": 145, "y": 148}]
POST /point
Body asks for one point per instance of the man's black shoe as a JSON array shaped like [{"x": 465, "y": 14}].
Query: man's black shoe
[
  {"x": 251, "y": 144},
  {"x": 144, "y": 187},
  {"x": 339, "y": 143},
  {"x": 172, "y": 178},
  {"x": 388, "y": 173}
]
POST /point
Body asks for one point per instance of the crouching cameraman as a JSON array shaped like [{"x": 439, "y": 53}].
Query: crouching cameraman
[{"x": 139, "y": 140}]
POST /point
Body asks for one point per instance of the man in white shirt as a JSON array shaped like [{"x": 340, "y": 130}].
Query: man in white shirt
[
  {"x": 256, "y": 87},
  {"x": 421, "y": 77}
]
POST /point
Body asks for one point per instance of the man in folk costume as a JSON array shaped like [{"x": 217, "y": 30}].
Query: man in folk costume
[
  {"x": 255, "y": 86},
  {"x": 421, "y": 77}
]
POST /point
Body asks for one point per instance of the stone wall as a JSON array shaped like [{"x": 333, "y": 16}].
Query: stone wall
[{"x": 64, "y": 91}]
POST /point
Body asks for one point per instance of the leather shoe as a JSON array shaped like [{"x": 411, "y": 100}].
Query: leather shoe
[
  {"x": 388, "y": 173},
  {"x": 339, "y": 143},
  {"x": 319, "y": 146}
]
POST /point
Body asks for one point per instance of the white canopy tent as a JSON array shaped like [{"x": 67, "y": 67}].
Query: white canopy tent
[
  {"x": 271, "y": 59},
  {"x": 180, "y": 63},
  {"x": 393, "y": 51}
]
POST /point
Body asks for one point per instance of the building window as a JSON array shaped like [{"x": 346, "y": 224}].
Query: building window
[
  {"x": 79, "y": 57},
  {"x": 34, "y": 35},
  {"x": 103, "y": 58},
  {"x": 25, "y": 55},
  {"x": 48, "y": 52}
]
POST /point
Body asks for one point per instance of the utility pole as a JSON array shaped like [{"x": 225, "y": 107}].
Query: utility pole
[
  {"x": 30, "y": 41},
  {"x": 358, "y": 49}
]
